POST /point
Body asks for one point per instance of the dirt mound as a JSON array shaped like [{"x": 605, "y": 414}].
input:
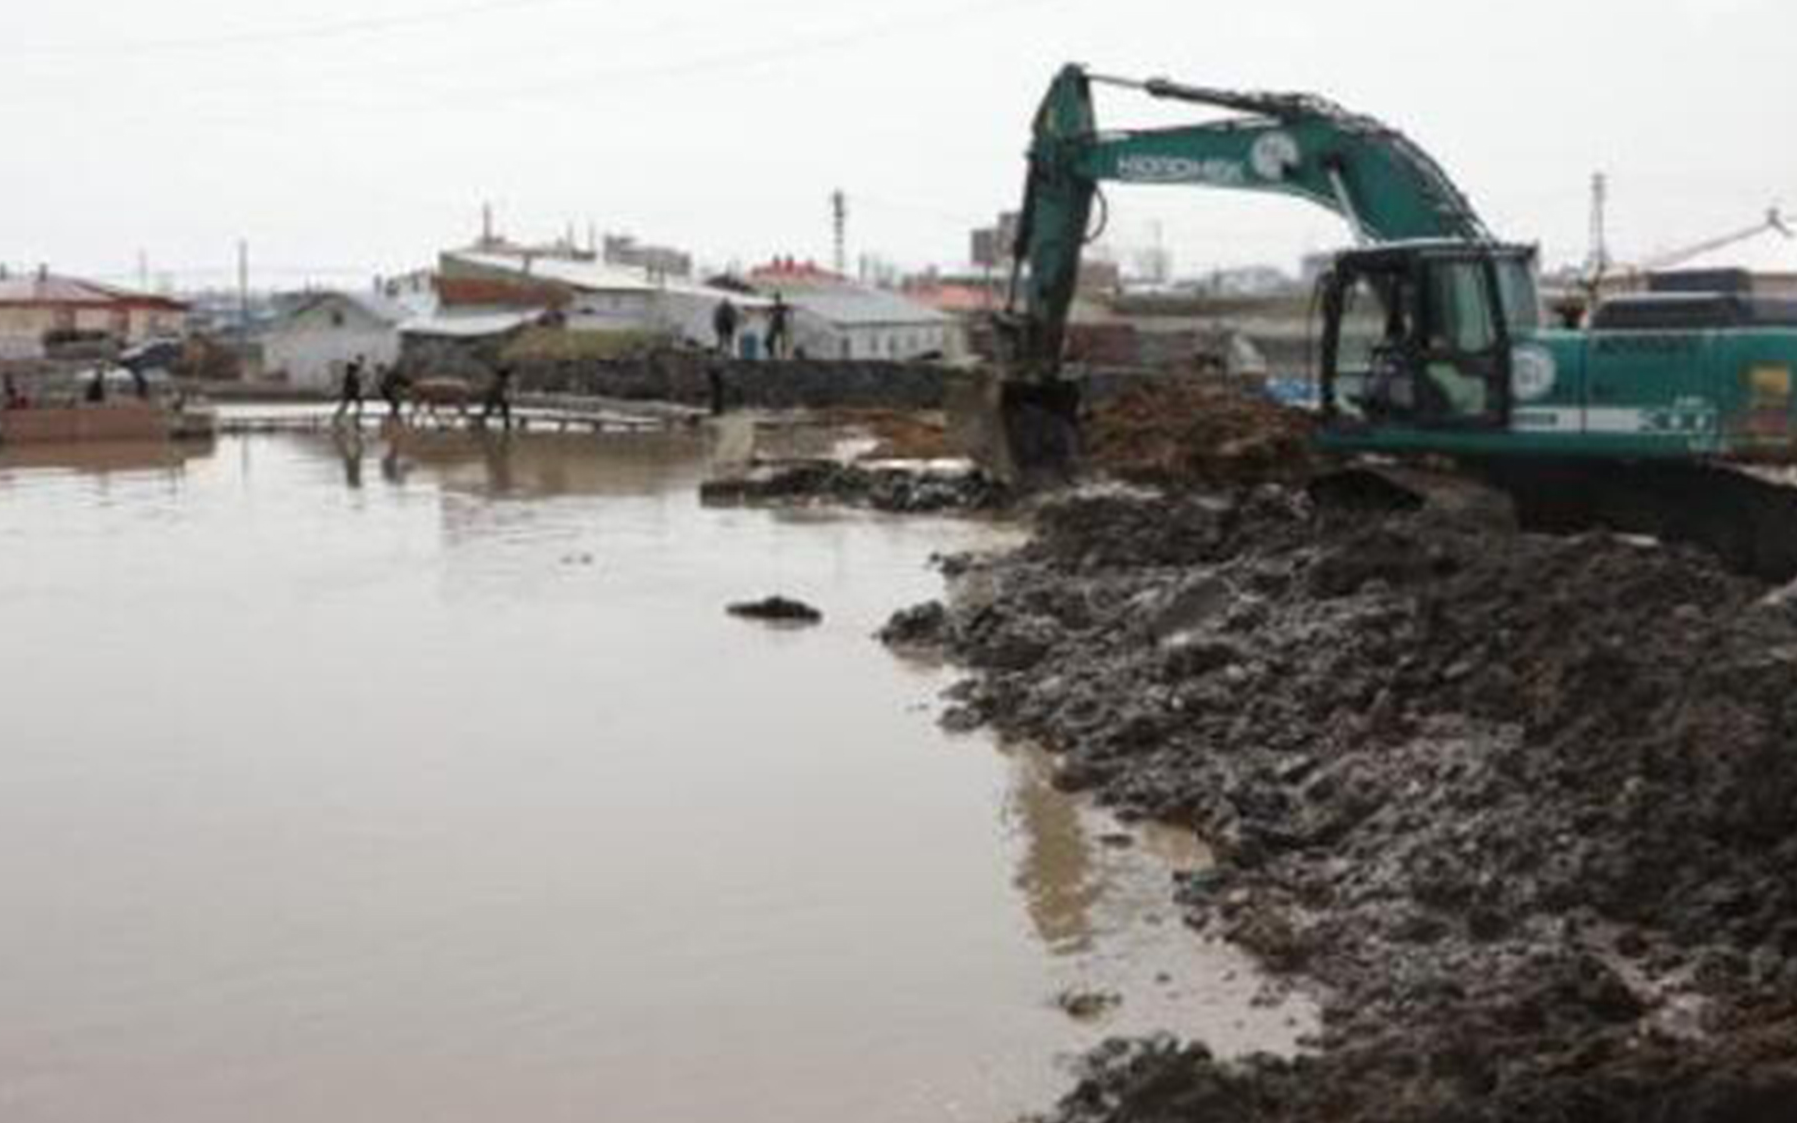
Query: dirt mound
[
  {"x": 892, "y": 490},
  {"x": 902, "y": 434},
  {"x": 1525, "y": 806},
  {"x": 1193, "y": 431}
]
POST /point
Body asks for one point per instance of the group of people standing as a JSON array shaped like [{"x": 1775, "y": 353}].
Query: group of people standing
[{"x": 727, "y": 319}]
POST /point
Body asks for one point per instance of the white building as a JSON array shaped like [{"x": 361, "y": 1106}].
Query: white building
[
  {"x": 855, "y": 323},
  {"x": 311, "y": 344}
]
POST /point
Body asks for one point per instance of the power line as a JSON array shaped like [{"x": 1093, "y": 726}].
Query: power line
[
  {"x": 326, "y": 30},
  {"x": 711, "y": 63}
]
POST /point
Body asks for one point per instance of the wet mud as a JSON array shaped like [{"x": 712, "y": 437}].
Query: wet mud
[
  {"x": 1522, "y": 810},
  {"x": 894, "y": 490}
]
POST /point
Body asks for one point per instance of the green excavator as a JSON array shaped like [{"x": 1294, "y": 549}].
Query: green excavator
[{"x": 1669, "y": 415}]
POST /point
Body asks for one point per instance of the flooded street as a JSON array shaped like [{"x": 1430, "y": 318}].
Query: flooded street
[{"x": 357, "y": 781}]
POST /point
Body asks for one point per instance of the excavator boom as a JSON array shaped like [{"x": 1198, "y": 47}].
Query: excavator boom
[{"x": 1432, "y": 343}]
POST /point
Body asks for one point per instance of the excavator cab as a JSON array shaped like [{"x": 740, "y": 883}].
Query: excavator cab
[{"x": 1419, "y": 335}]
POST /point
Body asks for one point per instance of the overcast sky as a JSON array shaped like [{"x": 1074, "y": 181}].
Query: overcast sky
[{"x": 345, "y": 138}]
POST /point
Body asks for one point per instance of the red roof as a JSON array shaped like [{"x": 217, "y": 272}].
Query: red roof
[
  {"x": 792, "y": 271},
  {"x": 960, "y": 300},
  {"x": 50, "y": 291}
]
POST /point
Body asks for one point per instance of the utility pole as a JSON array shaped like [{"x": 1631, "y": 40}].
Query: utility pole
[
  {"x": 1599, "y": 262},
  {"x": 243, "y": 294},
  {"x": 143, "y": 271},
  {"x": 839, "y": 212}
]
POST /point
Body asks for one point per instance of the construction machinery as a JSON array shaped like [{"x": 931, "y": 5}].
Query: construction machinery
[{"x": 1668, "y": 416}]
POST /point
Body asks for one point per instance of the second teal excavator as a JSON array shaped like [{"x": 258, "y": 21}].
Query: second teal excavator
[{"x": 1663, "y": 418}]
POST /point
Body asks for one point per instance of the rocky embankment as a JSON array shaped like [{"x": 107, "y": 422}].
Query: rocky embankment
[{"x": 1523, "y": 809}]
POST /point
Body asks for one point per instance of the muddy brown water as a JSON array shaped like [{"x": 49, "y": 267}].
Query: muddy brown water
[{"x": 427, "y": 779}]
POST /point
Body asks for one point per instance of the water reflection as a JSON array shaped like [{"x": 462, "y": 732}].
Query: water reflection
[
  {"x": 1055, "y": 869},
  {"x": 348, "y": 443},
  {"x": 103, "y": 457},
  {"x": 501, "y": 464}
]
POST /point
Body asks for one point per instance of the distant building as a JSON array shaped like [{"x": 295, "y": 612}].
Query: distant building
[
  {"x": 38, "y": 309},
  {"x": 957, "y": 298},
  {"x": 316, "y": 336},
  {"x": 791, "y": 273},
  {"x": 590, "y": 295},
  {"x": 661, "y": 261},
  {"x": 835, "y": 318},
  {"x": 991, "y": 246}
]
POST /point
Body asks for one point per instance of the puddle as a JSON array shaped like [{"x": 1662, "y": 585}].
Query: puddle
[{"x": 428, "y": 779}]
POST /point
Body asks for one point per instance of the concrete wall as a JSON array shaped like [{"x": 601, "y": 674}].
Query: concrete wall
[{"x": 685, "y": 378}]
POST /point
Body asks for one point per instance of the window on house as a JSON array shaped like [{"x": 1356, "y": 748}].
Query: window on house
[{"x": 336, "y": 317}]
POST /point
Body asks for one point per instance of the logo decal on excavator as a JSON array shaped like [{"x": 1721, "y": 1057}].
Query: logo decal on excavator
[
  {"x": 1532, "y": 373},
  {"x": 1275, "y": 156},
  {"x": 1180, "y": 169}
]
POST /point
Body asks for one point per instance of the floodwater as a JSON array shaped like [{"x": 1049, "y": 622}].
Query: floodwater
[{"x": 428, "y": 780}]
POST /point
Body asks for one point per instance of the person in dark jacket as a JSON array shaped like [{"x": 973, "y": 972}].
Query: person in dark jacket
[
  {"x": 778, "y": 328},
  {"x": 724, "y": 322},
  {"x": 499, "y": 396},
  {"x": 351, "y": 393}
]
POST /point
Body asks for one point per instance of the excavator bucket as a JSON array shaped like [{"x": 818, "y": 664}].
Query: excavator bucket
[{"x": 1023, "y": 433}]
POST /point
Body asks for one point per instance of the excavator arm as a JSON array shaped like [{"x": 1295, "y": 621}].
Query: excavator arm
[{"x": 1384, "y": 185}]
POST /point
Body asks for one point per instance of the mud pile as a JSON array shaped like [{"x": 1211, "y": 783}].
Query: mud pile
[
  {"x": 895, "y": 490},
  {"x": 1203, "y": 431},
  {"x": 1525, "y": 808},
  {"x": 900, "y": 434}
]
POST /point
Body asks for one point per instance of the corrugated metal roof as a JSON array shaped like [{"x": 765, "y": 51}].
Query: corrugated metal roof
[
  {"x": 375, "y": 305},
  {"x": 470, "y": 325},
  {"x": 1768, "y": 253},
  {"x": 595, "y": 276},
  {"x": 36, "y": 288},
  {"x": 849, "y": 305}
]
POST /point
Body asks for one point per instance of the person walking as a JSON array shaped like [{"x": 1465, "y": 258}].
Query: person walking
[
  {"x": 724, "y": 322},
  {"x": 351, "y": 393},
  {"x": 499, "y": 396},
  {"x": 778, "y": 328}
]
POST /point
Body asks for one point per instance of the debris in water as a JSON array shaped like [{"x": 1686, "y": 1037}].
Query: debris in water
[
  {"x": 1087, "y": 1005},
  {"x": 779, "y": 610}
]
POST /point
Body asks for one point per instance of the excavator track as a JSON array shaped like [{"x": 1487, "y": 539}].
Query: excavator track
[{"x": 1746, "y": 516}]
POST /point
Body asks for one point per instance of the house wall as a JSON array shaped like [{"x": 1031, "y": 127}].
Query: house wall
[
  {"x": 822, "y": 339},
  {"x": 22, "y": 332},
  {"x": 612, "y": 311},
  {"x": 313, "y": 349},
  {"x": 685, "y": 315},
  {"x": 22, "y": 329}
]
